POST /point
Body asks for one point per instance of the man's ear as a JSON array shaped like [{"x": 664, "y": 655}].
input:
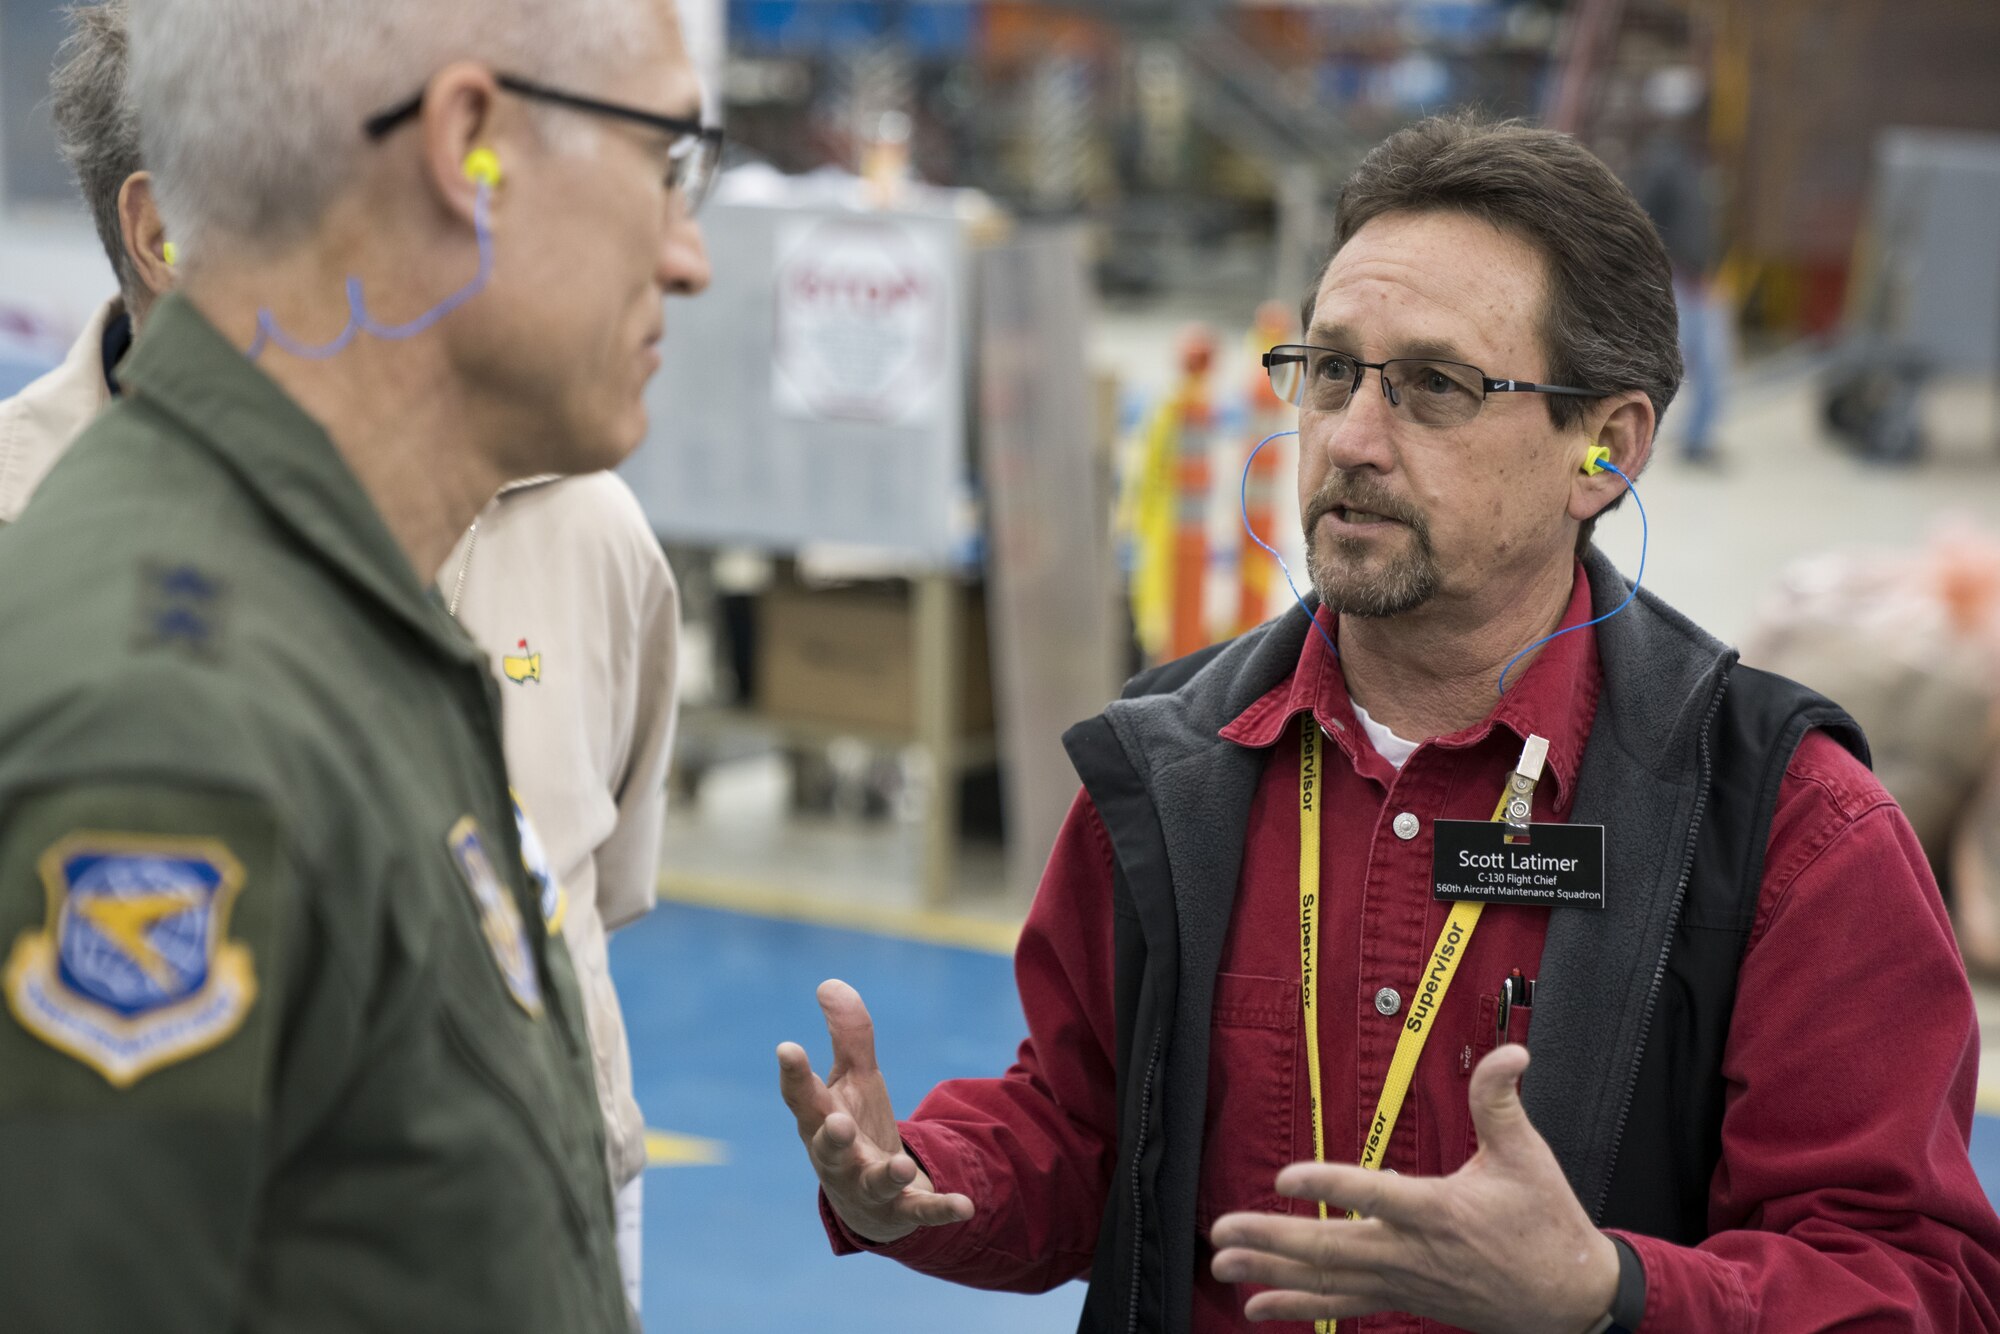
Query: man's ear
[
  {"x": 1623, "y": 426},
  {"x": 465, "y": 143},
  {"x": 145, "y": 236}
]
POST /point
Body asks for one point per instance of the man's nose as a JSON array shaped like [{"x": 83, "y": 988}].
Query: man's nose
[
  {"x": 684, "y": 268},
  {"x": 1360, "y": 435}
]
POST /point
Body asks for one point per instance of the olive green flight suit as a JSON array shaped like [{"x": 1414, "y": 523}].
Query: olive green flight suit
[{"x": 285, "y": 1045}]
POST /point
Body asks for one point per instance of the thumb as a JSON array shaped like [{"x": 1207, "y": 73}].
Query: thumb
[{"x": 1497, "y": 1114}]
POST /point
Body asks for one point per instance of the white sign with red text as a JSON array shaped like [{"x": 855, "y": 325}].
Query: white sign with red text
[{"x": 862, "y": 322}]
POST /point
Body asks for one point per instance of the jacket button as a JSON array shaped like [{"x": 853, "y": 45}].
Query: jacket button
[
  {"x": 1406, "y": 826},
  {"x": 1387, "y": 1002}
]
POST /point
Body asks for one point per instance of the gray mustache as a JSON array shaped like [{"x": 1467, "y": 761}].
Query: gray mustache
[{"x": 1347, "y": 493}]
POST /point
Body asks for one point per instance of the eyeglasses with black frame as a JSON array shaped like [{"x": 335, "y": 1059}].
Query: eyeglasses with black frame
[
  {"x": 692, "y": 161},
  {"x": 1424, "y": 390}
]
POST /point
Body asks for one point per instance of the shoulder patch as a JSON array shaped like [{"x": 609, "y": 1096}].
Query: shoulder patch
[
  {"x": 499, "y": 917},
  {"x": 541, "y": 871},
  {"x": 133, "y": 968}
]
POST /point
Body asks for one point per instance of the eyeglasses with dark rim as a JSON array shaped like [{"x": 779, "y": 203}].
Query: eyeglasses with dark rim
[
  {"x": 691, "y": 164},
  {"x": 1425, "y": 390}
]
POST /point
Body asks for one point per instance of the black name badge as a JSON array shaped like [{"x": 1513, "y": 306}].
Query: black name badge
[{"x": 1557, "y": 866}]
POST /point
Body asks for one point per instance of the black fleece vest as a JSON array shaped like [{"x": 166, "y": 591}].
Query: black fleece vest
[
  {"x": 1640, "y": 1143},
  {"x": 1665, "y": 1159}
]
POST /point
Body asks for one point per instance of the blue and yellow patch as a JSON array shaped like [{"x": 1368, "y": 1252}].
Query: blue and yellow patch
[
  {"x": 542, "y": 876},
  {"x": 134, "y": 968},
  {"x": 499, "y": 918}
]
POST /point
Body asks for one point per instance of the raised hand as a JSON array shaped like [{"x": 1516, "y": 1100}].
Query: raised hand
[
  {"x": 1500, "y": 1246},
  {"x": 850, "y": 1134}
]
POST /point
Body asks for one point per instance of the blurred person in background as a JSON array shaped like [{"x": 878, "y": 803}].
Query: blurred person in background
[
  {"x": 558, "y": 571},
  {"x": 1753, "y": 1056},
  {"x": 290, "y": 1044},
  {"x": 1676, "y": 187},
  {"x": 99, "y": 139}
]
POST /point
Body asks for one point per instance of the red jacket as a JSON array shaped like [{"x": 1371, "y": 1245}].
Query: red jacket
[{"x": 1844, "y": 1192}]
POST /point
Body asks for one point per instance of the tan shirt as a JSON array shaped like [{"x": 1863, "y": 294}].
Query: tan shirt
[
  {"x": 565, "y": 587},
  {"x": 571, "y": 567},
  {"x": 37, "y": 424}
]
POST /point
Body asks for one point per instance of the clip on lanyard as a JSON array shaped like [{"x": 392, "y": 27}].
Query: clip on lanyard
[
  {"x": 1515, "y": 802},
  {"x": 1516, "y": 992}
]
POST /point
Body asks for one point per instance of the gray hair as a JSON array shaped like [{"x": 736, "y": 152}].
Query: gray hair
[
  {"x": 251, "y": 110},
  {"x": 96, "y": 129}
]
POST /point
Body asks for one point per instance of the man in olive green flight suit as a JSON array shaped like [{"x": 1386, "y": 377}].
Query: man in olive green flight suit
[{"x": 285, "y": 1045}]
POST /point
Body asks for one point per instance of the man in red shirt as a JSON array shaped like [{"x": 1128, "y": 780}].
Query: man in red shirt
[{"x": 1287, "y": 923}]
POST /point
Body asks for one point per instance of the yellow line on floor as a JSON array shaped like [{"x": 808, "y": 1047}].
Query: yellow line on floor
[
  {"x": 930, "y": 926},
  {"x": 1987, "y": 1100},
  {"x": 666, "y": 1149}
]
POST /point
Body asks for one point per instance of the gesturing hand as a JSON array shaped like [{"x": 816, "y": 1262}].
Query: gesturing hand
[
  {"x": 1499, "y": 1246},
  {"x": 850, "y": 1131}
]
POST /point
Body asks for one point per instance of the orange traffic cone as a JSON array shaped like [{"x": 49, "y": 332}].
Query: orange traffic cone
[{"x": 1187, "y": 630}]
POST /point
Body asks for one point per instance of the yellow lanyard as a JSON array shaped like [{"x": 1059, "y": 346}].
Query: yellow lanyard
[{"x": 1450, "y": 948}]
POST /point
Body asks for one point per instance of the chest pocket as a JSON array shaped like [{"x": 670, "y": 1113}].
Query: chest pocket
[
  {"x": 1254, "y": 1074},
  {"x": 1485, "y": 1037}
]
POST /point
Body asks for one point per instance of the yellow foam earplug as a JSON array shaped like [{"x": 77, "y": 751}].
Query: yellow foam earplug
[
  {"x": 482, "y": 167},
  {"x": 1595, "y": 459},
  {"x": 170, "y": 253}
]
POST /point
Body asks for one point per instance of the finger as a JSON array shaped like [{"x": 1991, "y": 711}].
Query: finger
[
  {"x": 1270, "y": 1271},
  {"x": 848, "y": 1024},
  {"x": 1286, "y": 1304},
  {"x": 1324, "y": 1243},
  {"x": 929, "y": 1209},
  {"x": 1384, "y": 1195},
  {"x": 838, "y": 1150},
  {"x": 884, "y": 1179},
  {"x": 1495, "y": 1098},
  {"x": 802, "y": 1090}
]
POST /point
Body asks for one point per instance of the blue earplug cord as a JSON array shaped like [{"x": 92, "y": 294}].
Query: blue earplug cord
[
  {"x": 358, "y": 319},
  {"x": 1243, "y": 498},
  {"x": 1645, "y": 538}
]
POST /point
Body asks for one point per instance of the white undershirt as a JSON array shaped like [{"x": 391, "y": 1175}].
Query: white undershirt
[{"x": 1387, "y": 744}]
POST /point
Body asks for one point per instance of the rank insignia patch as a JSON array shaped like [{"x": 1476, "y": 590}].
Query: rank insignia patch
[
  {"x": 134, "y": 969},
  {"x": 180, "y": 607},
  {"x": 499, "y": 917}
]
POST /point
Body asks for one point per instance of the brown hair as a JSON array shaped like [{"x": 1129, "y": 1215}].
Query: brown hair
[{"x": 1608, "y": 321}]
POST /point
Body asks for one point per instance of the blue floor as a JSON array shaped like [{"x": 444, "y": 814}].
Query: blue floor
[{"x": 738, "y": 1247}]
